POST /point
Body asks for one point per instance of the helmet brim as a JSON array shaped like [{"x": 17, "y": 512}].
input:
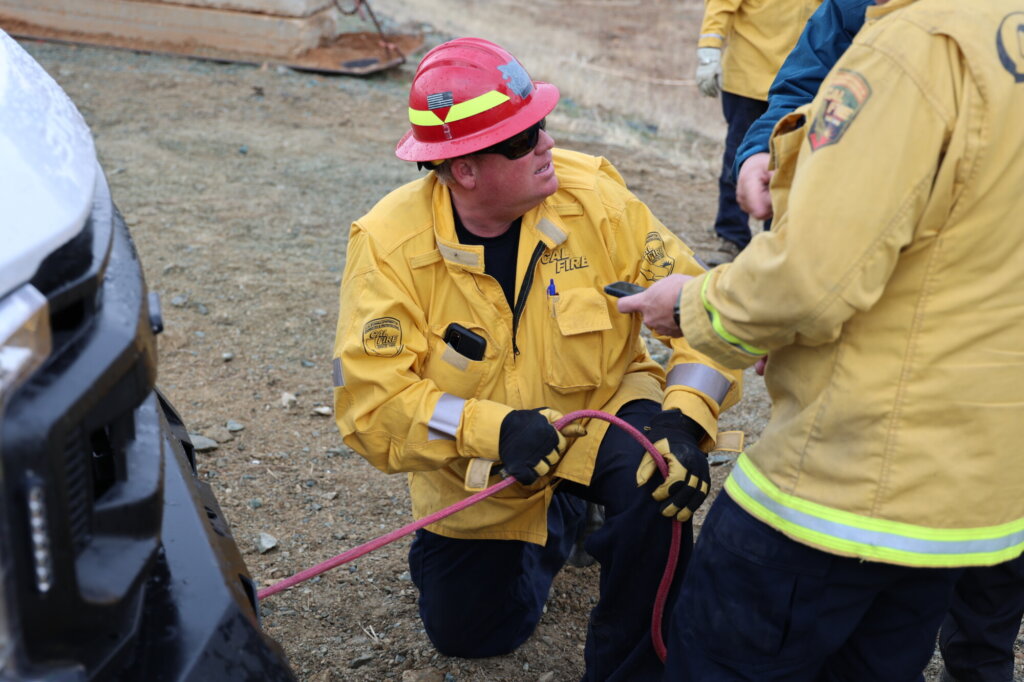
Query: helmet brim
[{"x": 542, "y": 102}]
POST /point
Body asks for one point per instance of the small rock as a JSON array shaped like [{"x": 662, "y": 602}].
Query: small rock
[
  {"x": 319, "y": 312},
  {"x": 330, "y": 496},
  {"x": 360, "y": 661},
  {"x": 423, "y": 675},
  {"x": 405, "y": 576},
  {"x": 255, "y": 503},
  {"x": 323, "y": 411},
  {"x": 227, "y": 357},
  {"x": 546, "y": 677},
  {"x": 202, "y": 443},
  {"x": 288, "y": 400},
  {"x": 220, "y": 434},
  {"x": 179, "y": 301},
  {"x": 244, "y": 149},
  {"x": 234, "y": 427},
  {"x": 308, "y": 363},
  {"x": 265, "y": 542},
  {"x": 202, "y": 309}
]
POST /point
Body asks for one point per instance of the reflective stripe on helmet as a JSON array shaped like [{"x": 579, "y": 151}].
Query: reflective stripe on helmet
[{"x": 459, "y": 111}]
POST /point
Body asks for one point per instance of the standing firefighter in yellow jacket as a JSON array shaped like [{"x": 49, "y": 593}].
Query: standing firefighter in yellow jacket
[
  {"x": 890, "y": 306},
  {"x": 756, "y": 36},
  {"x": 473, "y": 317}
]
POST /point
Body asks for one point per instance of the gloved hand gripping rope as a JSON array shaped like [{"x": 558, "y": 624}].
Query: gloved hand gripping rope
[{"x": 366, "y": 548}]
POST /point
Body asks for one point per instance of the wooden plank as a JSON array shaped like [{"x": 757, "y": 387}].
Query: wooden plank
[
  {"x": 160, "y": 25},
  {"x": 277, "y": 8}
]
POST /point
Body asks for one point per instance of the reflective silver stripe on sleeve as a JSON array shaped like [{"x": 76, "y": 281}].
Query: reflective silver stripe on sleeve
[
  {"x": 445, "y": 420},
  {"x": 707, "y": 380},
  {"x": 339, "y": 378},
  {"x": 712, "y": 35}
]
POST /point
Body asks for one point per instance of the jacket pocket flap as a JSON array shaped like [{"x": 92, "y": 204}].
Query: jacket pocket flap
[{"x": 582, "y": 310}]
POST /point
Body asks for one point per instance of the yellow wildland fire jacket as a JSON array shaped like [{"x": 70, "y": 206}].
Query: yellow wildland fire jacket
[
  {"x": 889, "y": 299},
  {"x": 757, "y": 36},
  {"x": 408, "y": 402}
]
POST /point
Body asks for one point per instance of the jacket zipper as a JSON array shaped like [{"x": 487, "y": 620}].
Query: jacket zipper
[{"x": 524, "y": 291}]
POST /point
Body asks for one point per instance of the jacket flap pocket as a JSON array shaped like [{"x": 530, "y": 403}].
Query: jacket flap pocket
[{"x": 582, "y": 310}]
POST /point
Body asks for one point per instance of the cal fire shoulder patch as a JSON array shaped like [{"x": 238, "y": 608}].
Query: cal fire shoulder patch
[
  {"x": 845, "y": 95},
  {"x": 657, "y": 263},
  {"x": 382, "y": 337}
]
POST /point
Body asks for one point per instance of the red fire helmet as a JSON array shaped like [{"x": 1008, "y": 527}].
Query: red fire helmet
[{"x": 468, "y": 94}]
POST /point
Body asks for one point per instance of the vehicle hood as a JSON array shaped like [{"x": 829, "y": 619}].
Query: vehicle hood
[{"x": 48, "y": 167}]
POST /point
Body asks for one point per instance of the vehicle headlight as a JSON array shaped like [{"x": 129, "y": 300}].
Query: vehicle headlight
[
  {"x": 25, "y": 343},
  {"x": 25, "y": 340}
]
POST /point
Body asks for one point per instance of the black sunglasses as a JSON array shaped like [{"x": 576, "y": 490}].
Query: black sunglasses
[{"x": 519, "y": 145}]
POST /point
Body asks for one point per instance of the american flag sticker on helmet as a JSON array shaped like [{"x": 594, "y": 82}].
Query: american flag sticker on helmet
[{"x": 440, "y": 100}]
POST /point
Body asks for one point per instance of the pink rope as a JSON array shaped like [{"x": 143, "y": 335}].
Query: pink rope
[{"x": 367, "y": 547}]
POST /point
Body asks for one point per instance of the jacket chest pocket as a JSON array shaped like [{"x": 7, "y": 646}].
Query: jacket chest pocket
[
  {"x": 453, "y": 372},
  {"x": 574, "y": 345}
]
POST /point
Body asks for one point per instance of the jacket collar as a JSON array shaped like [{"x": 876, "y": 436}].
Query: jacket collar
[{"x": 541, "y": 223}]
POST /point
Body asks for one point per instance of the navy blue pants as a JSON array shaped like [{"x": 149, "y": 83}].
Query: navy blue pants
[
  {"x": 977, "y": 635},
  {"x": 759, "y": 607},
  {"x": 732, "y": 223},
  {"x": 484, "y": 597}
]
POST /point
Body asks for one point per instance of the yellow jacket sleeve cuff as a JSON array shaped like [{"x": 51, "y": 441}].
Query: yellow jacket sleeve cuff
[
  {"x": 695, "y": 320},
  {"x": 710, "y": 41},
  {"x": 697, "y": 409},
  {"x": 480, "y": 428}
]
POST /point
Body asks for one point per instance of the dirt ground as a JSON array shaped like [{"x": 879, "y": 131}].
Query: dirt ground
[{"x": 239, "y": 184}]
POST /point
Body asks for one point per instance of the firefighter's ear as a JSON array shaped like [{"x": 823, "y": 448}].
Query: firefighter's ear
[{"x": 464, "y": 172}]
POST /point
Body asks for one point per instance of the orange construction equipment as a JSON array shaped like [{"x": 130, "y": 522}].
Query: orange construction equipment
[{"x": 313, "y": 35}]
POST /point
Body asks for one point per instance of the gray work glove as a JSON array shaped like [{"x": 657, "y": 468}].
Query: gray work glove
[{"x": 709, "y": 70}]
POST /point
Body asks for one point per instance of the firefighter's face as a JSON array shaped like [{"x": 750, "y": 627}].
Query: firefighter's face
[{"x": 519, "y": 184}]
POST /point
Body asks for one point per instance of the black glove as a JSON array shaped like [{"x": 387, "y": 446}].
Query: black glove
[
  {"x": 676, "y": 437},
  {"x": 529, "y": 446}
]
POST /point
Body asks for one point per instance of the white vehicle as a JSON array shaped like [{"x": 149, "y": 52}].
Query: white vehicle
[{"x": 116, "y": 562}]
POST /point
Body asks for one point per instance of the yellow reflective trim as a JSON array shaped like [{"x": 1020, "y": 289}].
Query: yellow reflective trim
[
  {"x": 716, "y": 323},
  {"x": 424, "y": 118},
  {"x": 477, "y": 105},
  {"x": 854, "y": 523},
  {"x": 457, "y": 112}
]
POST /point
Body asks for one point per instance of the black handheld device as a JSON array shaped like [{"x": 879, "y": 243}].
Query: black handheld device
[
  {"x": 620, "y": 289},
  {"x": 464, "y": 342}
]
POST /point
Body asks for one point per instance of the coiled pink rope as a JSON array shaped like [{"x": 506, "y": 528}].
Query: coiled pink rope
[{"x": 658, "y": 612}]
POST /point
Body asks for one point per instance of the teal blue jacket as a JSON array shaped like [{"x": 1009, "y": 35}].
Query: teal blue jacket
[{"x": 828, "y": 33}]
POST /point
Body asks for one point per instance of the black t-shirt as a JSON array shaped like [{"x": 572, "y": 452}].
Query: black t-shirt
[{"x": 499, "y": 254}]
